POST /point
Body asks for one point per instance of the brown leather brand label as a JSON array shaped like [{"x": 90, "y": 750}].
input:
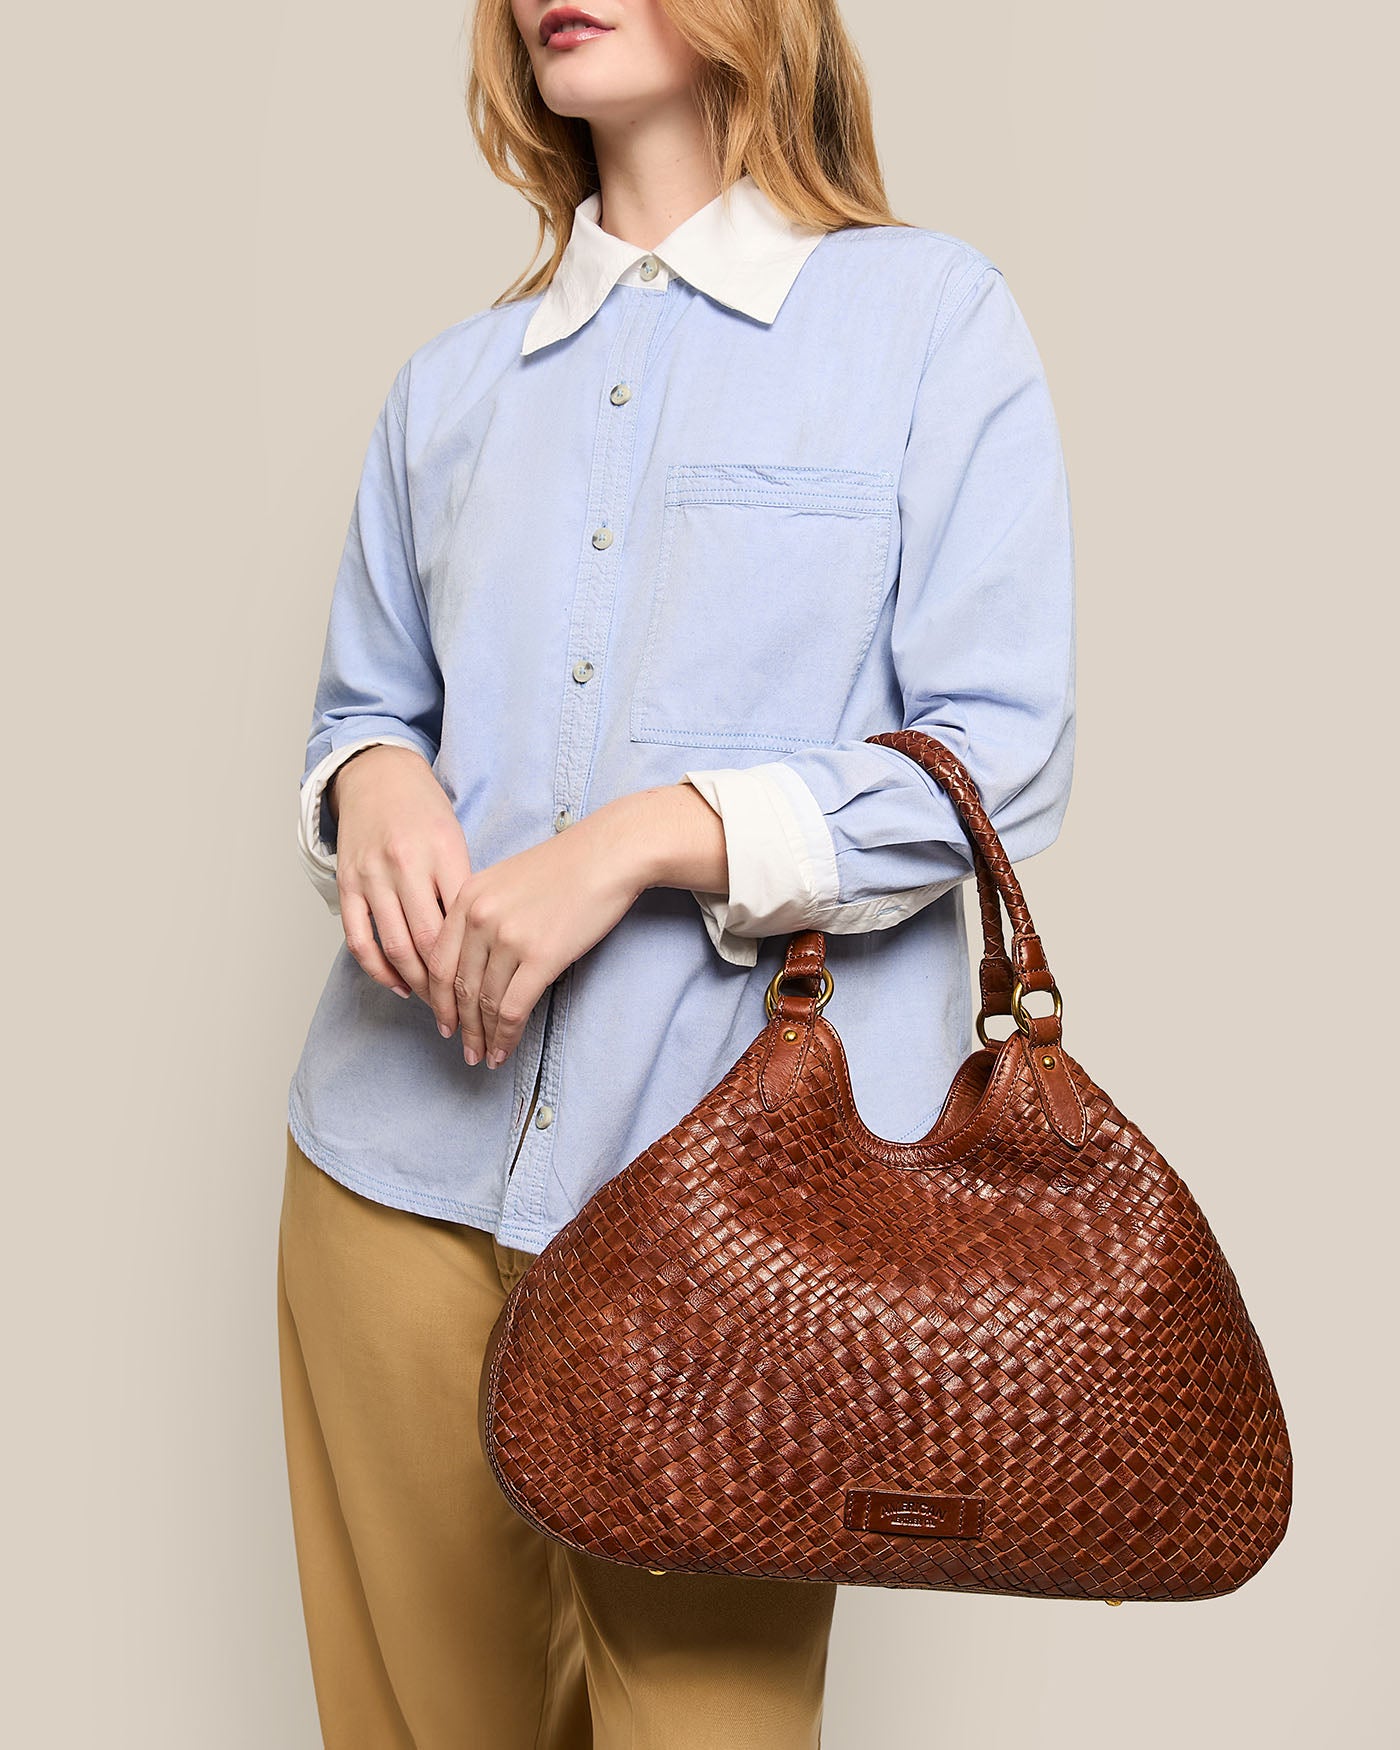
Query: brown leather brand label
[{"x": 913, "y": 1515}]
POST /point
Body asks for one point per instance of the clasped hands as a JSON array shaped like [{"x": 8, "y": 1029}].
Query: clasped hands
[{"x": 482, "y": 947}]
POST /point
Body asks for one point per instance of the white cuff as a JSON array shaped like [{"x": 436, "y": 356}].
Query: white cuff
[
  {"x": 782, "y": 865},
  {"x": 317, "y": 858}
]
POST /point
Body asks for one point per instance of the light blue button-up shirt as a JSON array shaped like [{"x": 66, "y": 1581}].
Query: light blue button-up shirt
[{"x": 719, "y": 511}]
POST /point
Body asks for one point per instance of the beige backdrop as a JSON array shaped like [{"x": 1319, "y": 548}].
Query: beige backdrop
[{"x": 228, "y": 228}]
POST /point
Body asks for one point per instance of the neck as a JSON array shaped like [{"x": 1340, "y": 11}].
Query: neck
[{"x": 653, "y": 173}]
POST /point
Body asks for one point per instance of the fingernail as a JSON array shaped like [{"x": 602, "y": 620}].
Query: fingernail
[
  {"x": 471, "y": 1054},
  {"x": 496, "y": 1058},
  {"x": 401, "y": 990},
  {"x": 444, "y": 1029}
]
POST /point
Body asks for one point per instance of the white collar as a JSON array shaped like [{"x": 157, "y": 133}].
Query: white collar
[{"x": 746, "y": 256}]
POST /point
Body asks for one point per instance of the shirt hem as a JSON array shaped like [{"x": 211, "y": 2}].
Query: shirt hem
[{"x": 396, "y": 1195}]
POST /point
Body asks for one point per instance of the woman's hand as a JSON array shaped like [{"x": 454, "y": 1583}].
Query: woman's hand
[
  {"x": 401, "y": 859},
  {"x": 512, "y": 929}
]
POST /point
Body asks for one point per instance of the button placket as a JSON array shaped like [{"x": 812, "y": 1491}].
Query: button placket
[
  {"x": 614, "y": 436},
  {"x": 594, "y": 594},
  {"x": 528, "y": 1058},
  {"x": 526, "y": 1186}
]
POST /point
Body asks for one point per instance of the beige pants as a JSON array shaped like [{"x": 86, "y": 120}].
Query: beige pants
[{"x": 437, "y": 1618}]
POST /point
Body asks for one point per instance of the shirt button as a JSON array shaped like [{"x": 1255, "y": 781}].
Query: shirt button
[
  {"x": 562, "y": 819},
  {"x": 620, "y": 393},
  {"x": 650, "y": 267},
  {"x": 583, "y": 670},
  {"x": 602, "y": 537},
  {"x": 544, "y": 1117}
]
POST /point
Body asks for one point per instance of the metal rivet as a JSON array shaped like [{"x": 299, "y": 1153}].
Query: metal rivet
[
  {"x": 1049, "y": 1062},
  {"x": 620, "y": 393},
  {"x": 790, "y": 1033},
  {"x": 656, "y": 1570},
  {"x": 602, "y": 537},
  {"x": 1113, "y": 1600}
]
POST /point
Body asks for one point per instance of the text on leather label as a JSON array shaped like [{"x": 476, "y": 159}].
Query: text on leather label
[{"x": 913, "y": 1515}]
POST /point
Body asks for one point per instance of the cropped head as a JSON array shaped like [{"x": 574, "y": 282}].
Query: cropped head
[{"x": 776, "y": 85}]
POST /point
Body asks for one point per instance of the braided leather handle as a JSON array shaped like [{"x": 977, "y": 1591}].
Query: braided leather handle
[
  {"x": 996, "y": 885},
  {"x": 996, "y": 880},
  {"x": 996, "y": 976}
]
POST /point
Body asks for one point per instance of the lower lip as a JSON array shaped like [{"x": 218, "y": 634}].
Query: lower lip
[{"x": 576, "y": 34}]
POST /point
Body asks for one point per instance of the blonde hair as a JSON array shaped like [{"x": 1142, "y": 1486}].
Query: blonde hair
[{"x": 781, "y": 91}]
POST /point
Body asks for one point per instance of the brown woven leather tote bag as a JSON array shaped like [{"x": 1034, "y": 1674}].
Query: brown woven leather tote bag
[{"x": 1008, "y": 1358}]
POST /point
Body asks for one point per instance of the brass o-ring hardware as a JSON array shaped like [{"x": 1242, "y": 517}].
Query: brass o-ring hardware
[
  {"x": 982, "y": 1032},
  {"x": 770, "y": 996},
  {"x": 1023, "y": 1017}
]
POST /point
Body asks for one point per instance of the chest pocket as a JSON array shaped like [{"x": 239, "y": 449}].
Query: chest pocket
[{"x": 767, "y": 588}]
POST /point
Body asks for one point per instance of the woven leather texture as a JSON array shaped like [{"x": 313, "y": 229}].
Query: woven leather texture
[{"x": 773, "y": 1311}]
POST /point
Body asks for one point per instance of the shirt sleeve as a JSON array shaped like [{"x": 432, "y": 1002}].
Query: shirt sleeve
[
  {"x": 379, "y": 678},
  {"x": 852, "y": 837}
]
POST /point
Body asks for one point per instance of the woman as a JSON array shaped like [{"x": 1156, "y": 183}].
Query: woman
[{"x": 748, "y": 471}]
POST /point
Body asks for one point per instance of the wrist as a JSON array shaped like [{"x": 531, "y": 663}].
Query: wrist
[
  {"x": 670, "y": 836},
  {"x": 330, "y": 796}
]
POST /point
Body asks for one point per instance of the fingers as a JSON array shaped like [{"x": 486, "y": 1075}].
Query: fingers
[
  {"x": 443, "y": 963},
  {"x": 505, "y": 1014},
  {"x": 480, "y": 982},
  {"x": 386, "y": 906},
  {"x": 425, "y": 920},
  {"x": 449, "y": 867},
  {"x": 358, "y": 924},
  {"x": 501, "y": 1004},
  {"x": 467, "y": 982}
]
